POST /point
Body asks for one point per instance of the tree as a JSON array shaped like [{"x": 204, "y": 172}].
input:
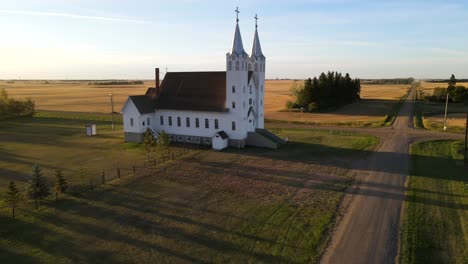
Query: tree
[
  {"x": 38, "y": 186},
  {"x": 163, "y": 143},
  {"x": 149, "y": 141},
  {"x": 61, "y": 185},
  {"x": 13, "y": 197},
  {"x": 451, "y": 83}
]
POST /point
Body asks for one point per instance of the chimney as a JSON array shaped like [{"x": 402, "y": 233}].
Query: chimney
[{"x": 157, "y": 81}]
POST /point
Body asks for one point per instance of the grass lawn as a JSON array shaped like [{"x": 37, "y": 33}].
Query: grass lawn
[
  {"x": 250, "y": 205},
  {"x": 435, "y": 221}
]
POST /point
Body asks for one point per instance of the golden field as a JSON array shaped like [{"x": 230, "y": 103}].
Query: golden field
[
  {"x": 428, "y": 88},
  {"x": 80, "y": 96}
]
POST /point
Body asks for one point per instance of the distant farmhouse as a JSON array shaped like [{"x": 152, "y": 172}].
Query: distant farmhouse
[{"x": 220, "y": 109}]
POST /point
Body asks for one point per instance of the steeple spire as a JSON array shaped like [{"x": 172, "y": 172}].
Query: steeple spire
[
  {"x": 256, "y": 47},
  {"x": 237, "y": 46}
]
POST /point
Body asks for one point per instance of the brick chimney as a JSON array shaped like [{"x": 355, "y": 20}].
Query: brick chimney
[{"x": 157, "y": 81}]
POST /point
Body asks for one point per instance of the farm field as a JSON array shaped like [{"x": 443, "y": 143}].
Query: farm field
[
  {"x": 435, "y": 221},
  {"x": 378, "y": 102},
  {"x": 428, "y": 88},
  {"x": 247, "y": 205}
]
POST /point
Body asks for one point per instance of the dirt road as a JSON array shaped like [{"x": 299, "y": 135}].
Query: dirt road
[{"x": 367, "y": 231}]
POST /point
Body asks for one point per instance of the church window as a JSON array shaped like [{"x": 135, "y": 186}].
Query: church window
[
  {"x": 187, "y": 121},
  {"x": 131, "y": 121},
  {"x": 229, "y": 65},
  {"x": 143, "y": 123},
  {"x": 233, "y": 89},
  {"x": 207, "y": 123},
  {"x": 250, "y": 89},
  {"x": 233, "y": 125},
  {"x": 188, "y": 139},
  {"x": 161, "y": 120},
  {"x": 256, "y": 67},
  {"x": 178, "y": 121},
  {"x": 233, "y": 105},
  {"x": 197, "y": 122},
  {"x": 216, "y": 124},
  {"x": 250, "y": 101},
  {"x": 170, "y": 120},
  {"x": 237, "y": 65},
  {"x": 148, "y": 121}
]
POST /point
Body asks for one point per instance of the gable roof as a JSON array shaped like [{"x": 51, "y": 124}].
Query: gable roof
[
  {"x": 222, "y": 134},
  {"x": 196, "y": 91},
  {"x": 143, "y": 103}
]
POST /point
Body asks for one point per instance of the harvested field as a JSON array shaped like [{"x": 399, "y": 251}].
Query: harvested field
[
  {"x": 428, "y": 88},
  {"x": 79, "y": 96},
  {"x": 378, "y": 101}
]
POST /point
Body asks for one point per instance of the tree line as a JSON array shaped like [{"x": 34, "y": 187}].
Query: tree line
[
  {"x": 11, "y": 108},
  {"x": 389, "y": 81},
  {"x": 328, "y": 91}
]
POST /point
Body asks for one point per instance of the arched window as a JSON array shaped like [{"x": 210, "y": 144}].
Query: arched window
[
  {"x": 237, "y": 65},
  {"x": 207, "y": 123},
  {"x": 256, "y": 67},
  {"x": 216, "y": 124},
  {"x": 250, "y": 101},
  {"x": 161, "y": 120},
  {"x": 250, "y": 89},
  {"x": 233, "y": 125},
  {"x": 233, "y": 105},
  {"x": 230, "y": 66},
  {"x": 233, "y": 89},
  {"x": 187, "y": 121},
  {"x": 179, "y": 123},
  {"x": 170, "y": 120},
  {"x": 197, "y": 122}
]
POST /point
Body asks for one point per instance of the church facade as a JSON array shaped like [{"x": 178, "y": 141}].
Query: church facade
[{"x": 220, "y": 109}]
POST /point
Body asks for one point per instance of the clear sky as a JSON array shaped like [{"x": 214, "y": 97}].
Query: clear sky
[{"x": 123, "y": 39}]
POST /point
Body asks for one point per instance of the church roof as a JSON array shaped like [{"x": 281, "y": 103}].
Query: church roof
[
  {"x": 196, "y": 91},
  {"x": 256, "y": 47},
  {"x": 237, "y": 46},
  {"x": 143, "y": 103},
  {"x": 222, "y": 134}
]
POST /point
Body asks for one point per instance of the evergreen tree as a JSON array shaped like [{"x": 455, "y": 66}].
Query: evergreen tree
[
  {"x": 163, "y": 143},
  {"x": 61, "y": 185},
  {"x": 452, "y": 83},
  {"x": 38, "y": 186},
  {"x": 13, "y": 197},
  {"x": 149, "y": 141}
]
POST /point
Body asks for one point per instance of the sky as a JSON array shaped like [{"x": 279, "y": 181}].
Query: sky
[{"x": 123, "y": 39}]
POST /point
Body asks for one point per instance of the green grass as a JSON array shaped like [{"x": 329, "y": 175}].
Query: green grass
[
  {"x": 435, "y": 221},
  {"x": 242, "y": 206}
]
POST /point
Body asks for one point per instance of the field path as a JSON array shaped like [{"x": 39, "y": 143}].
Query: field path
[{"x": 368, "y": 229}]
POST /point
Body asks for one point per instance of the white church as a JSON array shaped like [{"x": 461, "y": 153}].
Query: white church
[{"x": 221, "y": 108}]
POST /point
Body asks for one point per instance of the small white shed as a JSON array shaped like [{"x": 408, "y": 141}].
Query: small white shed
[
  {"x": 220, "y": 140},
  {"x": 91, "y": 130}
]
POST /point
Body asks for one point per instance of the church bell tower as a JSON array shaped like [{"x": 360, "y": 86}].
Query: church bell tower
[{"x": 256, "y": 64}]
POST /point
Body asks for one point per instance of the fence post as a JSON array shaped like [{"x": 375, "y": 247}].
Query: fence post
[
  {"x": 118, "y": 172},
  {"x": 103, "y": 178}
]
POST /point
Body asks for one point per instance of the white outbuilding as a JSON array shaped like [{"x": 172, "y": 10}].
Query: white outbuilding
[{"x": 220, "y": 140}]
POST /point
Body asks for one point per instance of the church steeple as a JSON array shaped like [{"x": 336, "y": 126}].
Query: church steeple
[
  {"x": 237, "y": 45},
  {"x": 256, "y": 47}
]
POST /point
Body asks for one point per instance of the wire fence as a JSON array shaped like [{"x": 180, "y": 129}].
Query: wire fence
[{"x": 90, "y": 180}]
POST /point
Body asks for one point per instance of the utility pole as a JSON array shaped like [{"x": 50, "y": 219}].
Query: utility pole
[
  {"x": 446, "y": 108},
  {"x": 112, "y": 109}
]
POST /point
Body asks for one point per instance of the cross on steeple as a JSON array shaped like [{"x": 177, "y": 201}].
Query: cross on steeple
[
  {"x": 256, "y": 20},
  {"x": 237, "y": 15}
]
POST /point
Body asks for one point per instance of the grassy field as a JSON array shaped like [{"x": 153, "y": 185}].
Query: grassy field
[
  {"x": 79, "y": 96},
  {"x": 435, "y": 223},
  {"x": 247, "y": 205}
]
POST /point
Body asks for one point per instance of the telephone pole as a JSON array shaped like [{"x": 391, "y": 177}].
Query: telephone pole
[{"x": 112, "y": 109}]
